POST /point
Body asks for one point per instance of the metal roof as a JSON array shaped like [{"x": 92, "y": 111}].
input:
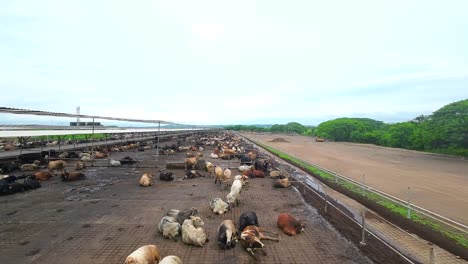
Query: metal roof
[
  {"x": 35, "y": 133},
  {"x": 19, "y": 111}
]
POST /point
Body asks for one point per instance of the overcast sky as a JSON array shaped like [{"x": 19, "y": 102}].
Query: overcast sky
[{"x": 234, "y": 62}]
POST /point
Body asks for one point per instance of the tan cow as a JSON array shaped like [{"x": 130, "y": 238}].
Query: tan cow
[{"x": 148, "y": 254}]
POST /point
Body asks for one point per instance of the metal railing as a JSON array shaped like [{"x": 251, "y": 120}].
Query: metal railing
[{"x": 427, "y": 213}]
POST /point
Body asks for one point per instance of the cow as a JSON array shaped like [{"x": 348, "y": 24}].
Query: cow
[
  {"x": 289, "y": 224},
  {"x": 242, "y": 178},
  {"x": 31, "y": 183},
  {"x": 146, "y": 180},
  {"x": 72, "y": 176},
  {"x": 190, "y": 162},
  {"x": 191, "y": 174},
  {"x": 261, "y": 165},
  {"x": 218, "y": 206},
  {"x": 166, "y": 176},
  {"x": 275, "y": 173},
  {"x": 251, "y": 237},
  {"x": 180, "y": 216},
  {"x": 244, "y": 159},
  {"x": 282, "y": 183},
  {"x": 42, "y": 175},
  {"x": 127, "y": 160},
  {"x": 171, "y": 260},
  {"x": 209, "y": 168},
  {"x": 15, "y": 187},
  {"x": 115, "y": 163},
  {"x": 56, "y": 165},
  {"x": 100, "y": 155},
  {"x": 148, "y": 254},
  {"x": 9, "y": 186},
  {"x": 79, "y": 165},
  {"x": 246, "y": 219},
  {"x": 9, "y": 167},
  {"x": 243, "y": 168},
  {"x": 227, "y": 235},
  {"x": 233, "y": 197},
  {"x": 254, "y": 173},
  {"x": 222, "y": 176},
  {"x": 30, "y": 167},
  {"x": 169, "y": 227},
  {"x": 193, "y": 233}
]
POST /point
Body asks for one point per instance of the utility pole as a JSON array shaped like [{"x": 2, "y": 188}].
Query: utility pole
[{"x": 78, "y": 118}]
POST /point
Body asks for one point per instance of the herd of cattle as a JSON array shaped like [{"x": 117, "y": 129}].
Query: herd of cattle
[
  {"x": 189, "y": 225},
  {"x": 33, "y": 168},
  {"x": 184, "y": 223}
]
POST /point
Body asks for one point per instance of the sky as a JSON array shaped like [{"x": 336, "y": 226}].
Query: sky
[{"x": 234, "y": 62}]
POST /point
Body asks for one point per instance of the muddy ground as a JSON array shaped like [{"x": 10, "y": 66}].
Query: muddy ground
[
  {"x": 438, "y": 183},
  {"x": 105, "y": 217}
]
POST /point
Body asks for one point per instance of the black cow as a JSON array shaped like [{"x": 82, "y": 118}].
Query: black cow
[
  {"x": 261, "y": 164},
  {"x": 127, "y": 160},
  {"x": 9, "y": 167},
  {"x": 166, "y": 176},
  {"x": 31, "y": 183},
  {"x": 244, "y": 159},
  {"x": 246, "y": 219}
]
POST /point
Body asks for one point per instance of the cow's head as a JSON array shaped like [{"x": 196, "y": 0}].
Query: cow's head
[
  {"x": 197, "y": 221},
  {"x": 131, "y": 260}
]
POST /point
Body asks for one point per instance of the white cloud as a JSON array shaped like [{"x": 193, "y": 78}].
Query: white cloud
[{"x": 210, "y": 62}]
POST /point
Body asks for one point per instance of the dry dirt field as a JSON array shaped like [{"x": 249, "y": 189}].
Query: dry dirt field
[{"x": 438, "y": 183}]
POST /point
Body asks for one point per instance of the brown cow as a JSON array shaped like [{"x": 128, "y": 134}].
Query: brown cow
[
  {"x": 254, "y": 173},
  {"x": 190, "y": 163},
  {"x": 289, "y": 224},
  {"x": 72, "y": 176},
  {"x": 42, "y": 175},
  {"x": 282, "y": 183},
  {"x": 100, "y": 155},
  {"x": 250, "y": 239}
]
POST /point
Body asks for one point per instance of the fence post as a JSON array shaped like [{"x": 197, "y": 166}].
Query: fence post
[
  {"x": 409, "y": 204},
  {"x": 326, "y": 199},
  {"x": 363, "y": 184},
  {"x": 363, "y": 234},
  {"x": 157, "y": 143},
  {"x": 431, "y": 255}
]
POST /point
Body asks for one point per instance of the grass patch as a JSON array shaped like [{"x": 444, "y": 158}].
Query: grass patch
[
  {"x": 386, "y": 203},
  {"x": 73, "y": 137}
]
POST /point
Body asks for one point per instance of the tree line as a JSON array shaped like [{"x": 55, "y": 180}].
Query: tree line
[{"x": 444, "y": 131}]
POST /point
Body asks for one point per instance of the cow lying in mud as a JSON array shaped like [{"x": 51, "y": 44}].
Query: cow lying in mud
[{"x": 289, "y": 224}]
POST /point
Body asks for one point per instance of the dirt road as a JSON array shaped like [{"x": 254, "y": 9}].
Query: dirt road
[{"x": 438, "y": 183}]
